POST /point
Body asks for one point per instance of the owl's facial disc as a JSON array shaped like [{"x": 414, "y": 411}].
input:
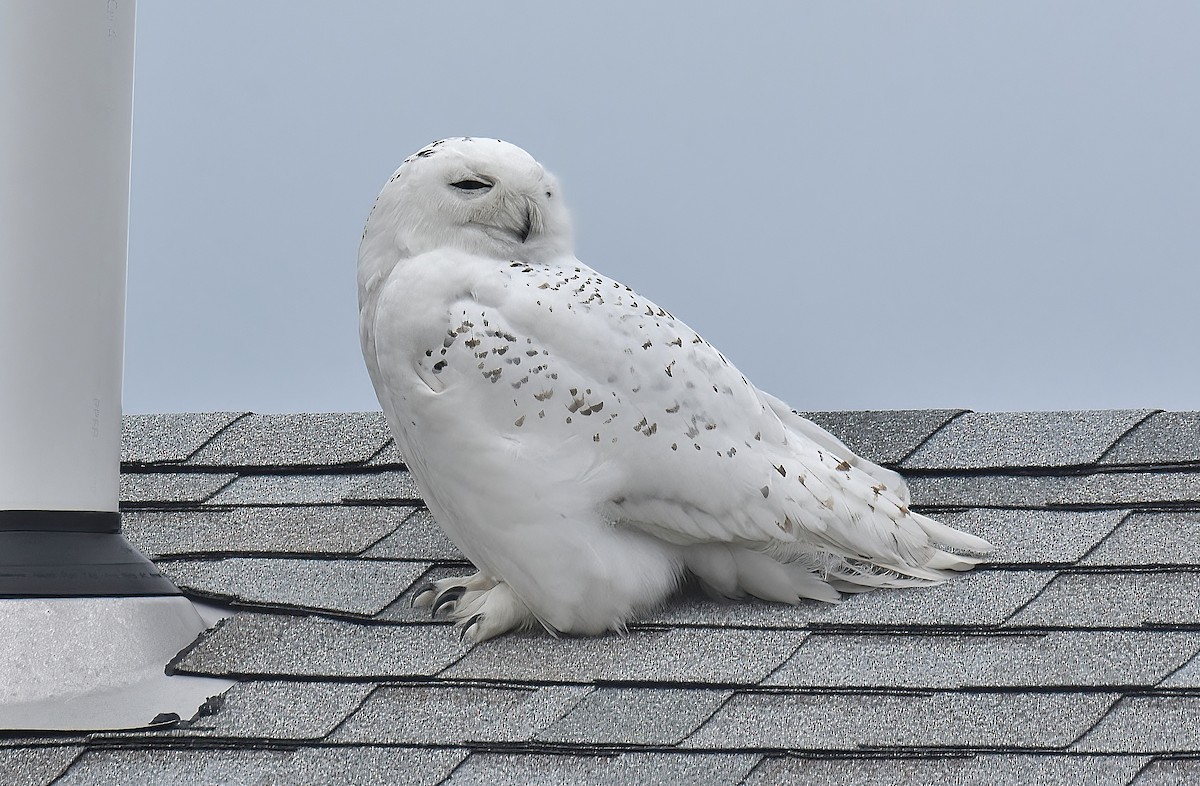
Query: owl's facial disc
[{"x": 478, "y": 195}]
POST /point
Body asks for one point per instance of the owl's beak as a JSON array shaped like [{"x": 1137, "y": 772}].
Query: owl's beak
[
  {"x": 533, "y": 220},
  {"x": 519, "y": 218}
]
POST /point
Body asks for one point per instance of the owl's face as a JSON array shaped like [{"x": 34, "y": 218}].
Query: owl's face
[{"x": 482, "y": 196}]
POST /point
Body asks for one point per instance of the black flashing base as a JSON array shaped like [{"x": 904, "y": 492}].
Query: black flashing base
[
  {"x": 46, "y": 564},
  {"x": 60, "y": 520}
]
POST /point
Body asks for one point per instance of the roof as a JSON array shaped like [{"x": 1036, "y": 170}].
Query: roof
[{"x": 1070, "y": 656}]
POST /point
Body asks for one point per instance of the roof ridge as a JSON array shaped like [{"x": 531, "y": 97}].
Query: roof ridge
[
  {"x": 219, "y": 432},
  {"x": 1126, "y": 433},
  {"x": 933, "y": 434}
]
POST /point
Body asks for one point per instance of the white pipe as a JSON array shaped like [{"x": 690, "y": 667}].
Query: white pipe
[{"x": 66, "y": 99}]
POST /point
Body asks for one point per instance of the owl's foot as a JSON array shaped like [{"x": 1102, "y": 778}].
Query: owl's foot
[
  {"x": 437, "y": 594},
  {"x": 481, "y": 607}
]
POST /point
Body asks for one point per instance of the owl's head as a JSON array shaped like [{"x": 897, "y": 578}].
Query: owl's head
[{"x": 482, "y": 196}]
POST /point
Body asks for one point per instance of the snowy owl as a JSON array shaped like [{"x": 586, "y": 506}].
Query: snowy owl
[{"x": 585, "y": 448}]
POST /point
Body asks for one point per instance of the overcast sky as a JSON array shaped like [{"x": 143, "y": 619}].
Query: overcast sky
[{"x": 865, "y": 205}]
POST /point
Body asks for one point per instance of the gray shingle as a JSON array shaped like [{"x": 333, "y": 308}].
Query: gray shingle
[
  {"x": 277, "y": 710},
  {"x": 666, "y": 769},
  {"x": 349, "y": 586},
  {"x": 1147, "y": 724},
  {"x": 1188, "y": 676},
  {"x": 842, "y": 721},
  {"x": 978, "y": 440},
  {"x": 886, "y": 436},
  {"x": 296, "y": 441},
  {"x": 33, "y": 740},
  {"x": 318, "y": 529},
  {"x": 155, "y": 439},
  {"x": 1070, "y": 658},
  {"x": 172, "y": 487},
  {"x": 979, "y": 770},
  {"x": 1162, "y": 438},
  {"x": 975, "y": 598},
  {"x": 1035, "y": 536},
  {"x": 396, "y": 486},
  {"x": 1151, "y": 539},
  {"x": 286, "y": 490},
  {"x": 704, "y": 655},
  {"x": 627, "y": 769},
  {"x": 388, "y": 456},
  {"x": 370, "y": 766},
  {"x": 281, "y": 646},
  {"x": 418, "y": 537},
  {"x": 174, "y": 767},
  {"x": 987, "y": 491},
  {"x": 454, "y": 714},
  {"x": 1170, "y": 772},
  {"x": 656, "y": 717},
  {"x": 35, "y": 766},
  {"x": 1115, "y": 600},
  {"x": 537, "y": 769},
  {"x": 341, "y": 765},
  {"x": 1133, "y": 488},
  {"x": 1110, "y": 489}
]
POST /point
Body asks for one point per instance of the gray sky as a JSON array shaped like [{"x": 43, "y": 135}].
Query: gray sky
[{"x": 865, "y": 205}]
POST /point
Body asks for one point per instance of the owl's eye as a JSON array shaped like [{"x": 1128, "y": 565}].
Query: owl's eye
[{"x": 471, "y": 185}]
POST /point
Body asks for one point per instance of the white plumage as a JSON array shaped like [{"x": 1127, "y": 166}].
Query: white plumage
[{"x": 582, "y": 446}]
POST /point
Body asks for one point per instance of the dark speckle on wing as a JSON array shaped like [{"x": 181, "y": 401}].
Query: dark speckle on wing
[{"x": 669, "y": 385}]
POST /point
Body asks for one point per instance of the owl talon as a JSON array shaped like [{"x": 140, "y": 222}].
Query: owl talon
[
  {"x": 462, "y": 632},
  {"x": 451, "y": 595},
  {"x": 419, "y": 599}
]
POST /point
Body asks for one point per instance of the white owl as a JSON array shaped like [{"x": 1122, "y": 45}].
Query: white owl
[{"x": 582, "y": 446}]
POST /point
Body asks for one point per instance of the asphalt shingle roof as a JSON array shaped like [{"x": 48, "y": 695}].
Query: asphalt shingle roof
[{"x": 1071, "y": 656}]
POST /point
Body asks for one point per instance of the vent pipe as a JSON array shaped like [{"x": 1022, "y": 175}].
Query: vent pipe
[
  {"x": 87, "y": 623},
  {"x": 66, "y": 103}
]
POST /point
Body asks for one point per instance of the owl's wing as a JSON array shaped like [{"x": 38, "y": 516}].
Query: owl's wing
[
  {"x": 599, "y": 387},
  {"x": 793, "y": 420}
]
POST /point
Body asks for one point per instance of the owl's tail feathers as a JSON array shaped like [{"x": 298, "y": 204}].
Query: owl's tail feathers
[
  {"x": 789, "y": 574},
  {"x": 934, "y": 566},
  {"x": 731, "y": 571},
  {"x": 954, "y": 538}
]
